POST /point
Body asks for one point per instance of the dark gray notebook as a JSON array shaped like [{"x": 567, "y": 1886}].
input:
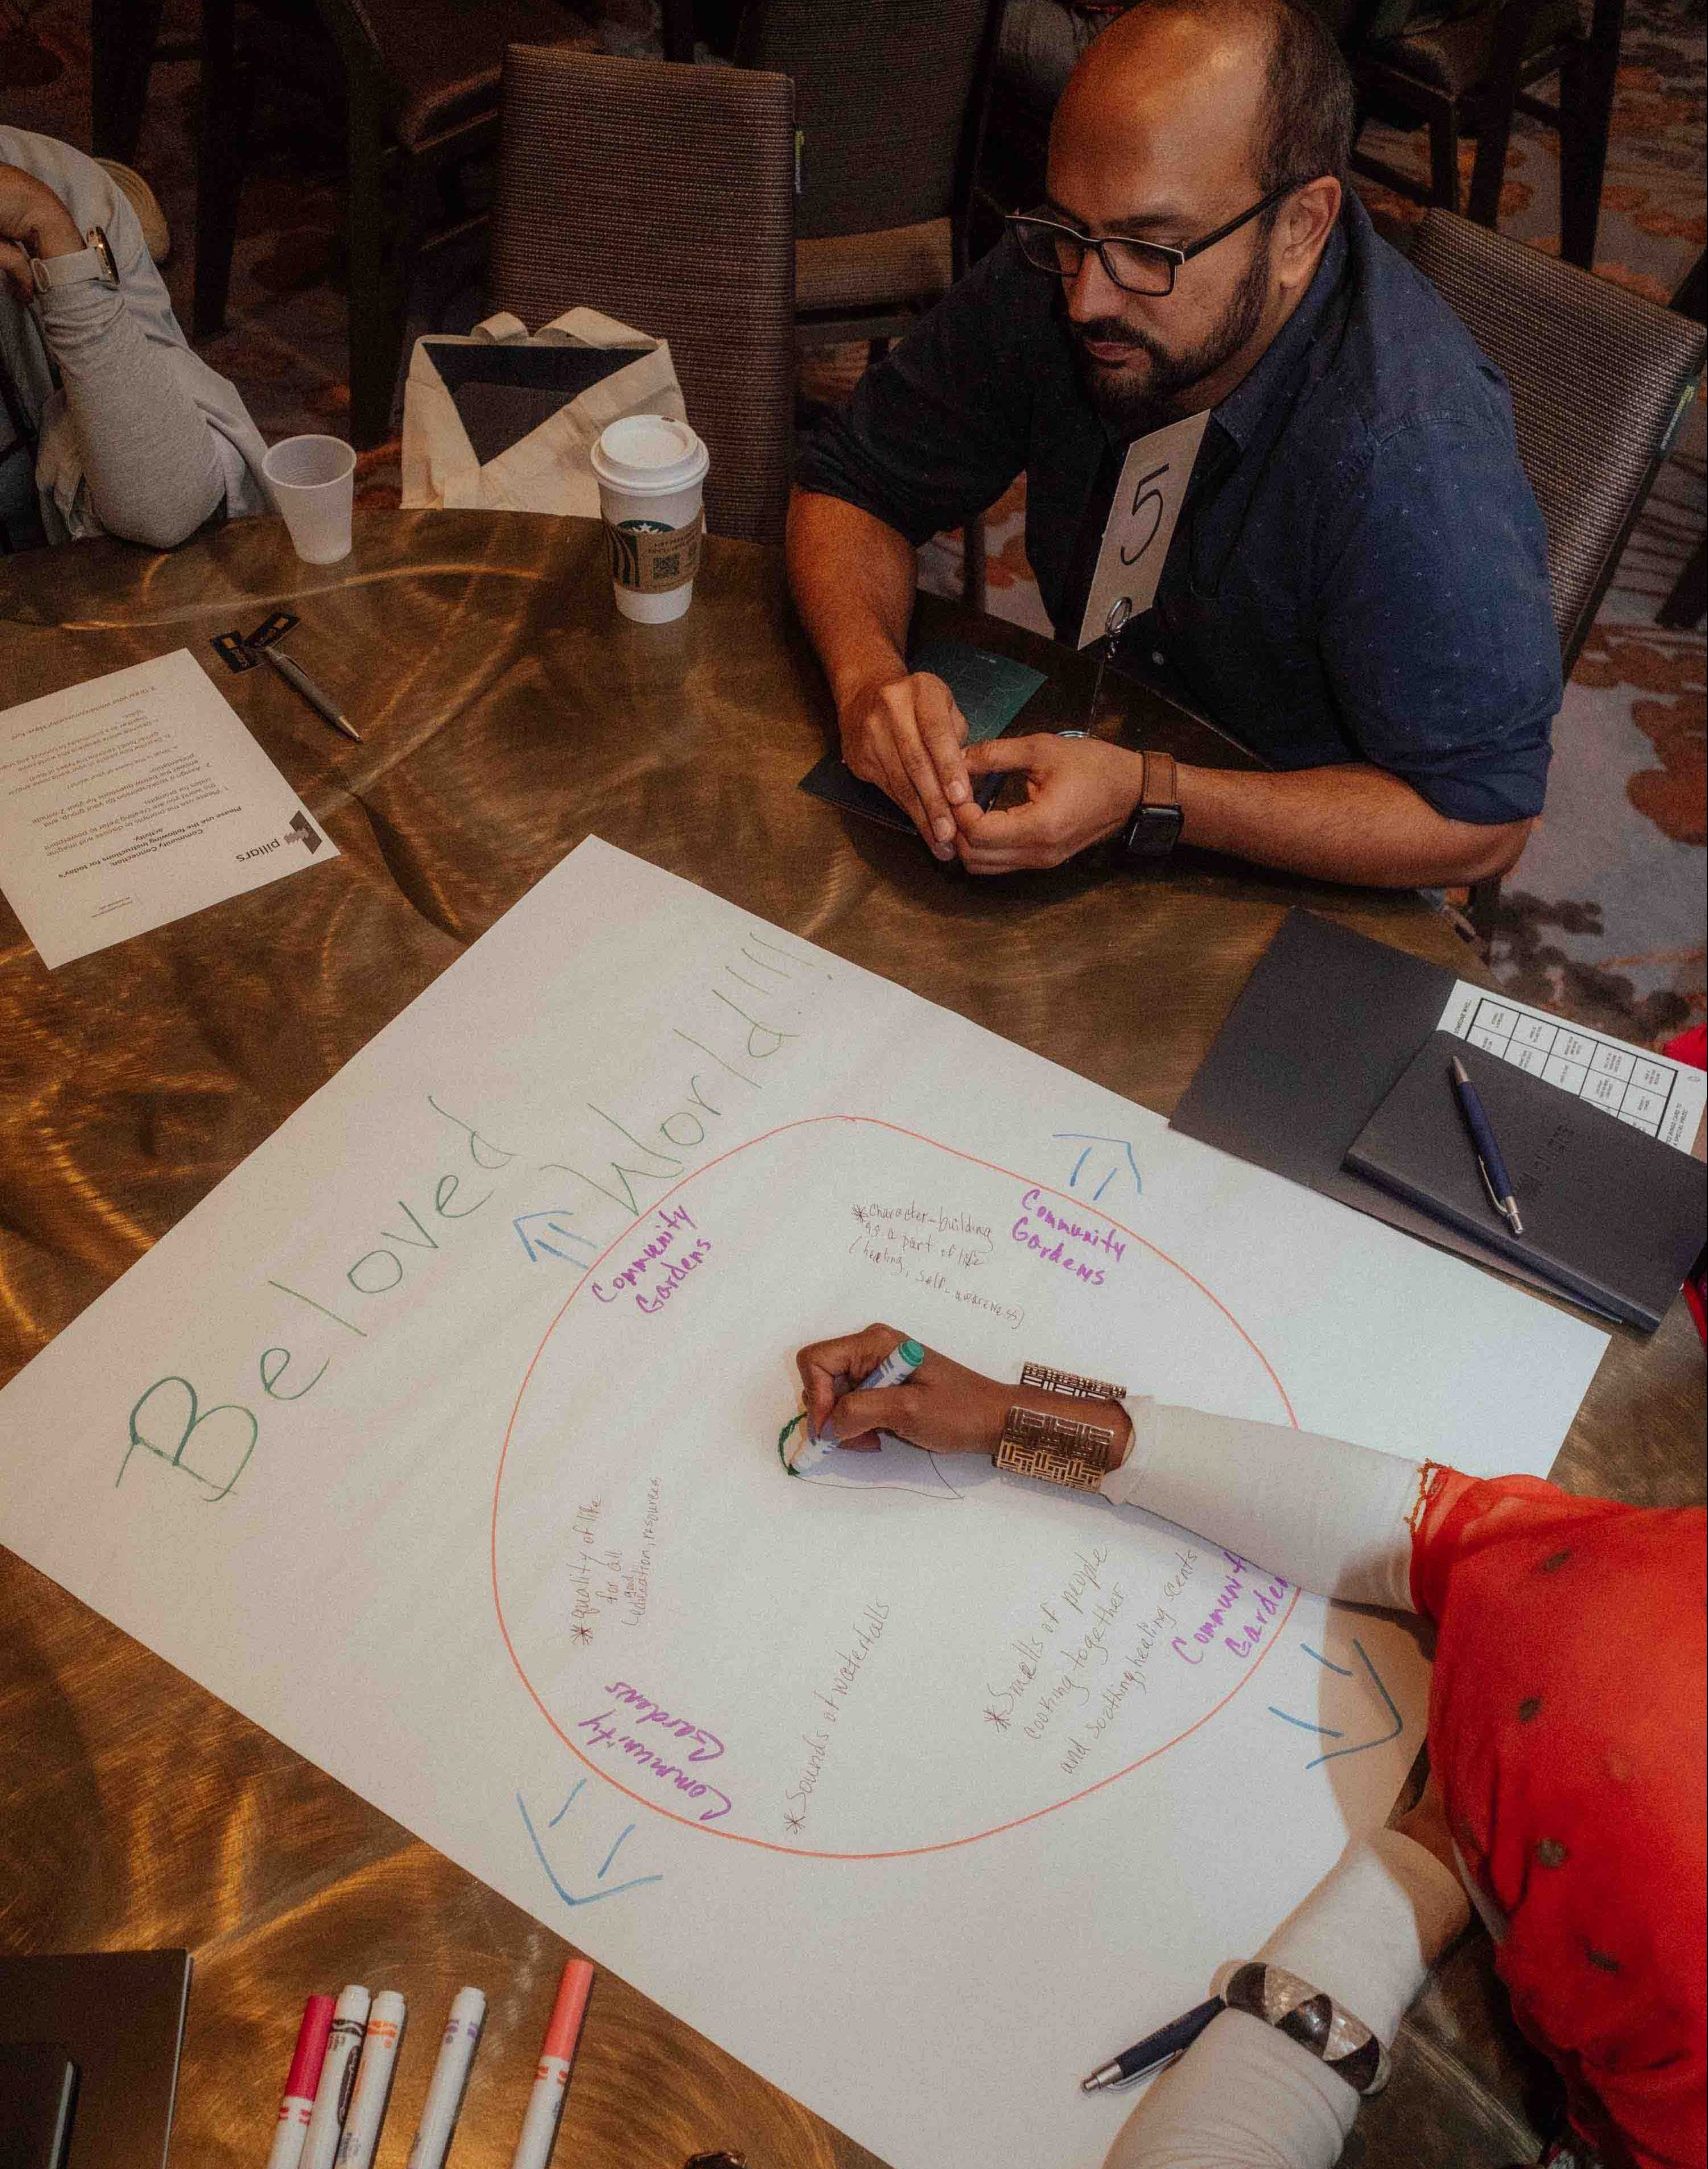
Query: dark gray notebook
[
  {"x": 1324, "y": 1026},
  {"x": 120, "y": 2016},
  {"x": 1611, "y": 1215}
]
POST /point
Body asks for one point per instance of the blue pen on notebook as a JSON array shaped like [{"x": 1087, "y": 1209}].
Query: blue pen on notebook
[
  {"x": 1492, "y": 1167},
  {"x": 1156, "y": 2048}
]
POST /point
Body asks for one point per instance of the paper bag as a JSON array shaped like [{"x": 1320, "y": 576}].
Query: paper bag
[{"x": 503, "y": 422}]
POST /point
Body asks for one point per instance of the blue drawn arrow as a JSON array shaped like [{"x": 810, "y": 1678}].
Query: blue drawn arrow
[
  {"x": 591, "y": 1897},
  {"x": 1122, "y": 1145},
  {"x": 1328, "y": 1731},
  {"x": 534, "y": 1245}
]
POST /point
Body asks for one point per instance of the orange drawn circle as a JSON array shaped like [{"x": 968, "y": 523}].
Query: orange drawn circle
[{"x": 942, "y": 1845}]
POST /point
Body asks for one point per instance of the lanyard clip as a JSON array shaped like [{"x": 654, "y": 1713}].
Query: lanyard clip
[{"x": 1114, "y": 625}]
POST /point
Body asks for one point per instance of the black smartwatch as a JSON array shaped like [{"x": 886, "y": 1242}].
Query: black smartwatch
[{"x": 1154, "y": 828}]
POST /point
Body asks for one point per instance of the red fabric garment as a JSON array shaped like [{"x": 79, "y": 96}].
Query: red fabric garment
[
  {"x": 1568, "y": 1734},
  {"x": 1692, "y": 1047}
]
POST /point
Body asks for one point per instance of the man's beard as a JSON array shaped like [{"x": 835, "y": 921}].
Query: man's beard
[{"x": 1132, "y": 409}]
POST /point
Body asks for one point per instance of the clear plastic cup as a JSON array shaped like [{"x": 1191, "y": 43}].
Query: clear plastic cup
[
  {"x": 652, "y": 476},
  {"x": 313, "y": 481}
]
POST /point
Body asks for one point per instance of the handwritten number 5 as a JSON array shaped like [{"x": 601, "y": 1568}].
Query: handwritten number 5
[{"x": 1142, "y": 496}]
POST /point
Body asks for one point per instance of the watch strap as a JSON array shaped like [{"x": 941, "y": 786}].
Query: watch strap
[
  {"x": 1161, "y": 785},
  {"x": 94, "y": 261},
  {"x": 1154, "y": 828}
]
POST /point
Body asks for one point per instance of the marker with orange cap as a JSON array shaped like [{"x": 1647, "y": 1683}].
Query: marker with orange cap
[
  {"x": 551, "y": 2079},
  {"x": 298, "y": 2105}
]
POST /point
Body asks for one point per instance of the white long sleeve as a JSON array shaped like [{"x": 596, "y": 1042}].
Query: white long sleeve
[
  {"x": 1330, "y": 1516},
  {"x": 1244, "y": 2096}
]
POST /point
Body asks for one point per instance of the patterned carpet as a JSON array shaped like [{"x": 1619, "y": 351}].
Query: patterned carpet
[{"x": 1604, "y": 915}]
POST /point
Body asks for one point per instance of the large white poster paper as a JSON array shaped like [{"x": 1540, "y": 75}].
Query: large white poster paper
[{"x": 442, "y": 1439}]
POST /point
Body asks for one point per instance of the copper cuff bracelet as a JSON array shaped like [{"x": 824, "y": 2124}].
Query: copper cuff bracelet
[{"x": 1058, "y": 1449}]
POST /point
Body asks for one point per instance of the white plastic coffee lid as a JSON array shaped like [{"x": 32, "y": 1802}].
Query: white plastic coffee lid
[{"x": 648, "y": 452}]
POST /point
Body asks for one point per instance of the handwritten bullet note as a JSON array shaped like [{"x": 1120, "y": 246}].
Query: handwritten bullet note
[{"x": 495, "y": 1338}]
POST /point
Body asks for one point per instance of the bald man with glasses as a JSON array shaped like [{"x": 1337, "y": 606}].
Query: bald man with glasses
[{"x": 1357, "y": 584}]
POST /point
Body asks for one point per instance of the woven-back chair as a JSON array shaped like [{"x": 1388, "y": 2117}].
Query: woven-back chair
[
  {"x": 665, "y": 197},
  {"x": 1600, "y": 381},
  {"x": 889, "y": 99}
]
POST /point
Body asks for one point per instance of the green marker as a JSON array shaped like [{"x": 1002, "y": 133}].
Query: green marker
[{"x": 799, "y": 1450}]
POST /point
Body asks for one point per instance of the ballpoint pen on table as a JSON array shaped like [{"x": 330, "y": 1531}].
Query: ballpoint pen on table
[
  {"x": 300, "y": 682},
  {"x": 1490, "y": 1164}
]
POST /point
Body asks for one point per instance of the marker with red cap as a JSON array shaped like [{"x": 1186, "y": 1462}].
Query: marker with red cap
[
  {"x": 551, "y": 2079},
  {"x": 298, "y": 2104}
]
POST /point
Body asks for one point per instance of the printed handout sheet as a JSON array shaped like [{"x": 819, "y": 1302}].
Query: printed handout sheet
[{"x": 137, "y": 798}]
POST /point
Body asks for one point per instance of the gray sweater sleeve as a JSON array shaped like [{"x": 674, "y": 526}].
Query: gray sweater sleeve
[
  {"x": 147, "y": 453},
  {"x": 140, "y": 437}
]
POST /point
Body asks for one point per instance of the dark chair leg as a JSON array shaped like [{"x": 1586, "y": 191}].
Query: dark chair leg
[
  {"x": 1489, "y": 172},
  {"x": 1497, "y": 102},
  {"x": 1482, "y": 906},
  {"x": 1687, "y": 605},
  {"x": 973, "y": 563},
  {"x": 376, "y": 301},
  {"x": 1444, "y": 156},
  {"x": 122, "y": 38},
  {"x": 679, "y": 30},
  {"x": 222, "y": 128},
  {"x": 1587, "y": 83}
]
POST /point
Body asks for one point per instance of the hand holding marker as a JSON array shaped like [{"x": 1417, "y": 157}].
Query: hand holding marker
[{"x": 801, "y": 1449}]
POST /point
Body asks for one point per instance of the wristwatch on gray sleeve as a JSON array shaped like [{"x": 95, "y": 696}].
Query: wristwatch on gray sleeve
[{"x": 93, "y": 261}]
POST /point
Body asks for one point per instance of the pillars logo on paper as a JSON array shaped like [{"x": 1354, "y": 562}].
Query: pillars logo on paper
[{"x": 302, "y": 830}]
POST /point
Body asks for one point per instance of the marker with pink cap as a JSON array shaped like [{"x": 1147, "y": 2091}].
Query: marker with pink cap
[
  {"x": 298, "y": 2105},
  {"x": 551, "y": 2079}
]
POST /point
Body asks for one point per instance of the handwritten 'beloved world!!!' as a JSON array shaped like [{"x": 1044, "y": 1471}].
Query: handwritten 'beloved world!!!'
[{"x": 710, "y": 1072}]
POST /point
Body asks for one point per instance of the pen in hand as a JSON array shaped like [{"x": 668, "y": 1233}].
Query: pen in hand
[{"x": 1490, "y": 1164}]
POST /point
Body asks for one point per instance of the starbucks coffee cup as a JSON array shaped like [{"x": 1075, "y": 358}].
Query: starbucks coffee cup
[{"x": 652, "y": 474}]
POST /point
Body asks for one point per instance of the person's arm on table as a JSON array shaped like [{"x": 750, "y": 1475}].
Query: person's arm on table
[
  {"x": 1332, "y": 1517},
  {"x": 931, "y": 436},
  {"x": 853, "y": 578},
  {"x": 1436, "y": 635},
  {"x": 133, "y": 433},
  {"x": 1244, "y": 2096},
  {"x": 1355, "y": 824}
]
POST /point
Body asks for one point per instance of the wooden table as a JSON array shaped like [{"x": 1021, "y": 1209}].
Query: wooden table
[{"x": 507, "y": 713}]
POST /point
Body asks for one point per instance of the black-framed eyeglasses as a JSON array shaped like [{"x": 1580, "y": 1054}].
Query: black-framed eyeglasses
[{"x": 1138, "y": 267}]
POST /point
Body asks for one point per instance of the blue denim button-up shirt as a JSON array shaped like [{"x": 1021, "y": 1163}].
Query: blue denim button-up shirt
[{"x": 1359, "y": 573}]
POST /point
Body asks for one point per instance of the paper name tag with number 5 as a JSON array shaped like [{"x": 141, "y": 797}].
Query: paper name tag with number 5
[{"x": 1147, "y": 503}]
